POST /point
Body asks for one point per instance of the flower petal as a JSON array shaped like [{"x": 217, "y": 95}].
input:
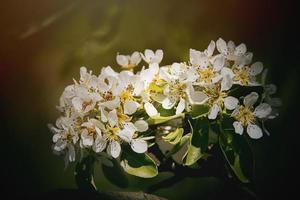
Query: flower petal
[
  {"x": 141, "y": 125},
  {"x": 135, "y": 58},
  {"x": 122, "y": 60},
  {"x": 139, "y": 145},
  {"x": 240, "y": 50},
  {"x": 112, "y": 118},
  {"x": 222, "y": 46},
  {"x": 218, "y": 63},
  {"x": 238, "y": 127},
  {"x": 230, "y": 102},
  {"x": 130, "y": 107},
  {"x": 150, "y": 109},
  {"x": 256, "y": 68},
  {"x": 71, "y": 153},
  {"x": 126, "y": 135},
  {"x": 168, "y": 103},
  {"x": 254, "y": 131},
  {"x": 181, "y": 106},
  {"x": 226, "y": 83},
  {"x": 60, "y": 145},
  {"x": 197, "y": 97},
  {"x": 214, "y": 112},
  {"x": 99, "y": 144},
  {"x": 114, "y": 149},
  {"x": 262, "y": 110},
  {"x": 250, "y": 99},
  {"x": 211, "y": 48}
]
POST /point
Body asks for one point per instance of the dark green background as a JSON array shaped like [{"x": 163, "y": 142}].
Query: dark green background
[{"x": 43, "y": 44}]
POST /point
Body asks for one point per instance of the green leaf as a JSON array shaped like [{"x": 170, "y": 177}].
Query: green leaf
[
  {"x": 199, "y": 141},
  {"x": 198, "y": 111},
  {"x": 174, "y": 137},
  {"x": 115, "y": 174},
  {"x": 237, "y": 153},
  {"x": 136, "y": 164},
  {"x": 84, "y": 174},
  {"x": 162, "y": 119},
  {"x": 183, "y": 141}
]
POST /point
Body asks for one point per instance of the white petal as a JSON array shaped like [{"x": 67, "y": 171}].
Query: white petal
[
  {"x": 112, "y": 104},
  {"x": 227, "y": 71},
  {"x": 230, "y": 102},
  {"x": 104, "y": 114},
  {"x": 150, "y": 109},
  {"x": 135, "y": 58},
  {"x": 250, "y": 99},
  {"x": 262, "y": 110},
  {"x": 71, "y": 153},
  {"x": 149, "y": 54},
  {"x": 197, "y": 97},
  {"x": 114, "y": 149},
  {"x": 158, "y": 56},
  {"x": 256, "y": 68},
  {"x": 211, "y": 48},
  {"x": 130, "y": 127},
  {"x": 226, "y": 83},
  {"x": 112, "y": 118},
  {"x": 180, "y": 106},
  {"x": 87, "y": 140},
  {"x": 56, "y": 137},
  {"x": 194, "y": 57},
  {"x": 214, "y": 112},
  {"x": 122, "y": 60},
  {"x": 238, "y": 127},
  {"x": 130, "y": 107},
  {"x": 141, "y": 125},
  {"x": 126, "y": 135},
  {"x": 77, "y": 103},
  {"x": 168, "y": 103},
  {"x": 254, "y": 131},
  {"x": 216, "y": 79},
  {"x": 240, "y": 50},
  {"x": 100, "y": 144},
  {"x": 60, "y": 145},
  {"x": 138, "y": 87},
  {"x": 221, "y": 46},
  {"x": 218, "y": 63},
  {"x": 139, "y": 146}
]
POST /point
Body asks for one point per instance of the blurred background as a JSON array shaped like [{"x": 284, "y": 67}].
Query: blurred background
[{"x": 43, "y": 44}]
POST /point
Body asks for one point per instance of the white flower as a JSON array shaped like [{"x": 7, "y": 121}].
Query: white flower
[
  {"x": 84, "y": 101},
  {"x": 238, "y": 53},
  {"x": 247, "y": 75},
  {"x": 150, "y": 57},
  {"x": 64, "y": 137},
  {"x": 202, "y": 59},
  {"x": 178, "y": 88},
  {"x": 219, "y": 99},
  {"x": 246, "y": 116},
  {"x": 91, "y": 131},
  {"x": 128, "y": 135},
  {"x": 127, "y": 61}
]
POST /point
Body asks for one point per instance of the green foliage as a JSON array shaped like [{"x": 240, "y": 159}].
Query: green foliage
[
  {"x": 199, "y": 111},
  {"x": 84, "y": 174},
  {"x": 115, "y": 174},
  {"x": 237, "y": 153},
  {"x": 174, "y": 137},
  {"x": 183, "y": 141},
  {"x": 162, "y": 119},
  {"x": 198, "y": 142},
  {"x": 136, "y": 164}
]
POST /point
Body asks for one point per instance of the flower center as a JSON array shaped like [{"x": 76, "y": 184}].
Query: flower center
[
  {"x": 178, "y": 88},
  {"x": 111, "y": 132},
  {"x": 216, "y": 96},
  {"x": 242, "y": 75},
  {"x": 108, "y": 96},
  {"x": 245, "y": 116},
  {"x": 206, "y": 75}
]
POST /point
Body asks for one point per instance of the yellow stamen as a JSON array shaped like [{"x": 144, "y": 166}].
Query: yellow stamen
[
  {"x": 242, "y": 75},
  {"x": 245, "y": 116}
]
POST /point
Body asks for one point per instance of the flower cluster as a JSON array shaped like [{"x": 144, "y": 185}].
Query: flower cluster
[{"x": 102, "y": 113}]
